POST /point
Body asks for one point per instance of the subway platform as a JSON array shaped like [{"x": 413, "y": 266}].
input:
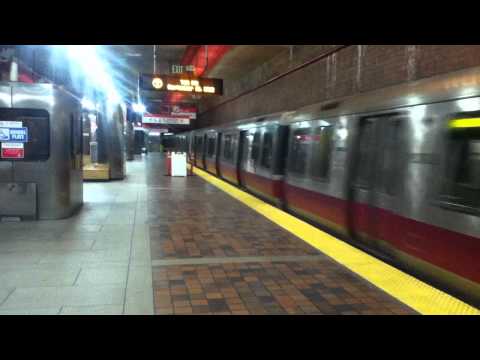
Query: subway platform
[{"x": 153, "y": 244}]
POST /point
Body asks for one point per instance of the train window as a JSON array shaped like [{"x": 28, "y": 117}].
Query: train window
[
  {"x": 366, "y": 153},
  {"x": 462, "y": 181},
  {"x": 255, "y": 146},
  {"x": 267, "y": 150},
  {"x": 301, "y": 144},
  {"x": 199, "y": 145},
  {"x": 322, "y": 144},
  {"x": 227, "y": 147},
  {"x": 211, "y": 147},
  {"x": 389, "y": 157}
]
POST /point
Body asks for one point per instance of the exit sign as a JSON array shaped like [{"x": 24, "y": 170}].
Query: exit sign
[{"x": 180, "y": 69}]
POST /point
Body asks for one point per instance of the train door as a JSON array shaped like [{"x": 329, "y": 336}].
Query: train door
[
  {"x": 235, "y": 153},
  {"x": 243, "y": 145},
  {"x": 204, "y": 152},
  {"x": 373, "y": 196},
  {"x": 198, "y": 151},
  {"x": 217, "y": 152}
]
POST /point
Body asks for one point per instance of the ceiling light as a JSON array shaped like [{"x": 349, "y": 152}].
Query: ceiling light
[
  {"x": 139, "y": 108},
  {"x": 88, "y": 104}
]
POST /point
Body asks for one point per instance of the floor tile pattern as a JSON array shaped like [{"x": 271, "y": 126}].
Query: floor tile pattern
[{"x": 233, "y": 261}]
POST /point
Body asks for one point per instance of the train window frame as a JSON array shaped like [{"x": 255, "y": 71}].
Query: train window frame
[
  {"x": 292, "y": 153},
  {"x": 329, "y": 153},
  {"x": 450, "y": 188},
  {"x": 270, "y": 134}
]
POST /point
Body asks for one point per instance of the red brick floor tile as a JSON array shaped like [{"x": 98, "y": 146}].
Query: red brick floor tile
[
  {"x": 183, "y": 224},
  {"x": 240, "y": 312},
  {"x": 183, "y": 311},
  {"x": 163, "y": 311},
  {"x": 214, "y": 296},
  {"x": 180, "y": 304}
]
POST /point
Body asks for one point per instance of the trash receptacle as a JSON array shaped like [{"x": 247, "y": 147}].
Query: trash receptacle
[
  {"x": 168, "y": 163},
  {"x": 179, "y": 164}
]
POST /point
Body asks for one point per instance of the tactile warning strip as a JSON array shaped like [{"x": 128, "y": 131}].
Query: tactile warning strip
[{"x": 418, "y": 295}]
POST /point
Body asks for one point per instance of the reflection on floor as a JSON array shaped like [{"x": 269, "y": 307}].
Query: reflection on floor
[
  {"x": 156, "y": 244},
  {"x": 97, "y": 262}
]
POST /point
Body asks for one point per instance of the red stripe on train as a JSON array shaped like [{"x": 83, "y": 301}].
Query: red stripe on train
[
  {"x": 228, "y": 172},
  {"x": 272, "y": 188},
  {"x": 326, "y": 207},
  {"x": 444, "y": 248},
  {"x": 211, "y": 166}
]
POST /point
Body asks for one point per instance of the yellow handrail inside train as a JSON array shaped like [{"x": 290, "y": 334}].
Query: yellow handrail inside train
[{"x": 465, "y": 123}]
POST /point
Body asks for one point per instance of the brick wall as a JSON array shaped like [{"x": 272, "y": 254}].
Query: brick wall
[{"x": 354, "y": 69}]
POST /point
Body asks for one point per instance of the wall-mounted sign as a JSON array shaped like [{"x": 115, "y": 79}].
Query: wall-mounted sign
[
  {"x": 14, "y": 134},
  {"x": 11, "y": 124},
  {"x": 178, "y": 83},
  {"x": 164, "y": 119},
  {"x": 180, "y": 110},
  {"x": 158, "y": 131}
]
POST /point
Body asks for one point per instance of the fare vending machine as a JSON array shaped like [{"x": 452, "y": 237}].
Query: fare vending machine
[
  {"x": 13, "y": 137},
  {"x": 40, "y": 152}
]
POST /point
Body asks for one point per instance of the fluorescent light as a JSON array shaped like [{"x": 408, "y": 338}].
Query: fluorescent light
[
  {"x": 88, "y": 104},
  {"x": 139, "y": 108},
  {"x": 85, "y": 57}
]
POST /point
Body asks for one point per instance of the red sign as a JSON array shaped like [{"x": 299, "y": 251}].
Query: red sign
[
  {"x": 13, "y": 151},
  {"x": 185, "y": 111}
]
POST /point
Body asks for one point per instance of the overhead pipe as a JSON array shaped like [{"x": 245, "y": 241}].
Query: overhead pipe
[{"x": 278, "y": 77}]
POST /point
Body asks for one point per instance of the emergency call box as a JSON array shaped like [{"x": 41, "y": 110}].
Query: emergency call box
[{"x": 24, "y": 134}]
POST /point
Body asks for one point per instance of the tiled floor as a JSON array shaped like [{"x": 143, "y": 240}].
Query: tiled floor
[
  {"x": 156, "y": 244},
  {"x": 213, "y": 255},
  {"x": 97, "y": 262}
]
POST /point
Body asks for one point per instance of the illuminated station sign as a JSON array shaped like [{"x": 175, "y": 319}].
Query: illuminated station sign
[{"x": 207, "y": 86}]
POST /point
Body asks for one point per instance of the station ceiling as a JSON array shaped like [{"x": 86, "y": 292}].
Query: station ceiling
[{"x": 233, "y": 63}]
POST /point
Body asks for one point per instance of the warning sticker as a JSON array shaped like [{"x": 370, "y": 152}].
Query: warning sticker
[
  {"x": 13, "y": 151},
  {"x": 11, "y": 124}
]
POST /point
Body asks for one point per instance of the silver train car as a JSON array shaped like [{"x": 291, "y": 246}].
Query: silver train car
[
  {"x": 41, "y": 152},
  {"x": 395, "y": 172}
]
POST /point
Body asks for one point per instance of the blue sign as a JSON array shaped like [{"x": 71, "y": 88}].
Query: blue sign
[
  {"x": 14, "y": 134},
  {"x": 4, "y": 134}
]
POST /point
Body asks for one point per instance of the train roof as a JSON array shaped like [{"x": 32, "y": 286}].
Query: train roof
[{"x": 455, "y": 85}]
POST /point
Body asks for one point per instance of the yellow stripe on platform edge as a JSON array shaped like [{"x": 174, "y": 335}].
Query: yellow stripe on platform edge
[{"x": 420, "y": 296}]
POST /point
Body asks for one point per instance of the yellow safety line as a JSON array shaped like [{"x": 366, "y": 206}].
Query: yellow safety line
[{"x": 420, "y": 296}]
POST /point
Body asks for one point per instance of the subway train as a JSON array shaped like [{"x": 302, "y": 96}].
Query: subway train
[{"x": 395, "y": 172}]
